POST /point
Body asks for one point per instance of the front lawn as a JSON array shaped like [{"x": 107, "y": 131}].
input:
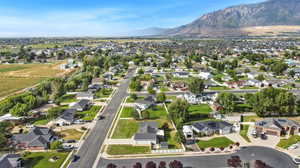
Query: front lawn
[
  {"x": 249, "y": 87},
  {"x": 127, "y": 149},
  {"x": 244, "y": 132},
  {"x": 164, "y": 89},
  {"x": 215, "y": 142},
  {"x": 71, "y": 134},
  {"x": 41, "y": 121},
  {"x": 125, "y": 129},
  {"x": 219, "y": 88},
  {"x": 130, "y": 100},
  {"x": 285, "y": 143},
  {"x": 103, "y": 93},
  {"x": 242, "y": 108},
  {"x": 89, "y": 114},
  {"x": 41, "y": 159},
  {"x": 127, "y": 112}
]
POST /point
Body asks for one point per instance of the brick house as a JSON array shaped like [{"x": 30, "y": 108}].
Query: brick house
[{"x": 277, "y": 127}]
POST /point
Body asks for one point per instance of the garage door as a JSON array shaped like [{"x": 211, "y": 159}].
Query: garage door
[{"x": 271, "y": 132}]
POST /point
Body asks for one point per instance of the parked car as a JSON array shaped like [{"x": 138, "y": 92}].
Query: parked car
[
  {"x": 296, "y": 160},
  {"x": 263, "y": 136},
  {"x": 101, "y": 117},
  {"x": 68, "y": 147},
  {"x": 294, "y": 146},
  {"x": 254, "y": 134},
  {"x": 75, "y": 158},
  {"x": 79, "y": 121},
  {"x": 71, "y": 141}
]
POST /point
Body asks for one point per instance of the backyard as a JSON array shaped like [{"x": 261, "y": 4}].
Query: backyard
[
  {"x": 41, "y": 159},
  {"x": 199, "y": 112}
]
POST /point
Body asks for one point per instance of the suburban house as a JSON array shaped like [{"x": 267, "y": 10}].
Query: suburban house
[
  {"x": 97, "y": 81},
  {"x": 82, "y": 105},
  {"x": 10, "y": 118},
  {"x": 148, "y": 134},
  {"x": 38, "y": 138},
  {"x": 141, "y": 105},
  {"x": 179, "y": 85},
  {"x": 67, "y": 118},
  {"x": 277, "y": 126},
  {"x": 235, "y": 84},
  {"x": 181, "y": 74},
  {"x": 85, "y": 95},
  {"x": 192, "y": 98},
  {"x": 252, "y": 75},
  {"x": 205, "y": 75},
  {"x": 188, "y": 132},
  {"x": 212, "y": 127},
  {"x": 10, "y": 161},
  {"x": 254, "y": 82}
]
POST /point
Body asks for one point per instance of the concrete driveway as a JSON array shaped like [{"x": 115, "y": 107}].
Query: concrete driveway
[{"x": 271, "y": 140}]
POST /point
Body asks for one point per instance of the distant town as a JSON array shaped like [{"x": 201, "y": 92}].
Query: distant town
[{"x": 149, "y": 102}]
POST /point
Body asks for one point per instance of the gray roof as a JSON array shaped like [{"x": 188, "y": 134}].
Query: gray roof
[
  {"x": 9, "y": 160},
  {"x": 145, "y": 136},
  {"x": 277, "y": 123},
  {"x": 84, "y": 94},
  {"x": 147, "y": 131},
  {"x": 37, "y": 136},
  {"x": 81, "y": 104},
  {"x": 69, "y": 115},
  {"x": 211, "y": 125},
  {"x": 148, "y": 100}
]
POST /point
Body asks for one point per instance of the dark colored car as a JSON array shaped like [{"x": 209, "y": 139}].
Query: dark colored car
[
  {"x": 263, "y": 136},
  {"x": 101, "y": 117},
  {"x": 75, "y": 158},
  {"x": 71, "y": 141}
]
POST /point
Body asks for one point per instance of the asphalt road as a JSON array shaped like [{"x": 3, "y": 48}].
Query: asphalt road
[
  {"x": 92, "y": 145},
  {"x": 170, "y": 93},
  {"x": 270, "y": 156}
]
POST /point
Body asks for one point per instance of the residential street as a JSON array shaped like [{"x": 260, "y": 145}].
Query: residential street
[
  {"x": 270, "y": 156},
  {"x": 91, "y": 146}
]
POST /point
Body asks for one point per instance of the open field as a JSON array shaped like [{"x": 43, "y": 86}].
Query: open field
[
  {"x": 15, "y": 77},
  {"x": 270, "y": 30},
  {"x": 125, "y": 129},
  {"x": 41, "y": 159}
]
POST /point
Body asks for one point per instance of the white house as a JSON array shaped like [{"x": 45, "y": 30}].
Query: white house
[
  {"x": 188, "y": 132},
  {"x": 67, "y": 118},
  {"x": 205, "y": 75},
  {"x": 85, "y": 95}
]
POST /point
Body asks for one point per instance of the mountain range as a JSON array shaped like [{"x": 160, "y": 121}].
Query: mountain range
[{"x": 268, "y": 16}]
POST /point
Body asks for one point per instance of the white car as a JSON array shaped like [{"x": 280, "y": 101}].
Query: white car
[
  {"x": 296, "y": 160},
  {"x": 294, "y": 146}
]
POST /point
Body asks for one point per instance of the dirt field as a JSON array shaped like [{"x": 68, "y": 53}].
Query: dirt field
[
  {"x": 271, "y": 30},
  {"x": 16, "y": 77}
]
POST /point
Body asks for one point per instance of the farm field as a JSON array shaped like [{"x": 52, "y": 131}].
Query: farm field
[{"x": 15, "y": 77}]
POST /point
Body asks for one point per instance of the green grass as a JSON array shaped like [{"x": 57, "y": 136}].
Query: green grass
[
  {"x": 215, "y": 142},
  {"x": 251, "y": 118},
  {"x": 41, "y": 159},
  {"x": 157, "y": 112},
  {"x": 219, "y": 88},
  {"x": 244, "y": 132},
  {"x": 285, "y": 143},
  {"x": 127, "y": 149},
  {"x": 41, "y": 121},
  {"x": 130, "y": 100},
  {"x": 127, "y": 112},
  {"x": 199, "y": 112},
  {"x": 249, "y": 87},
  {"x": 125, "y": 129},
  {"x": 164, "y": 89},
  {"x": 68, "y": 98},
  {"x": 89, "y": 114},
  {"x": 103, "y": 93},
  {"x": 14, "y": 68},
  {"x": 243, "y": 108}
]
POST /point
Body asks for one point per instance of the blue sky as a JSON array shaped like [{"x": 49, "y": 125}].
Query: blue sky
[{"x": 27, "y": 18}]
